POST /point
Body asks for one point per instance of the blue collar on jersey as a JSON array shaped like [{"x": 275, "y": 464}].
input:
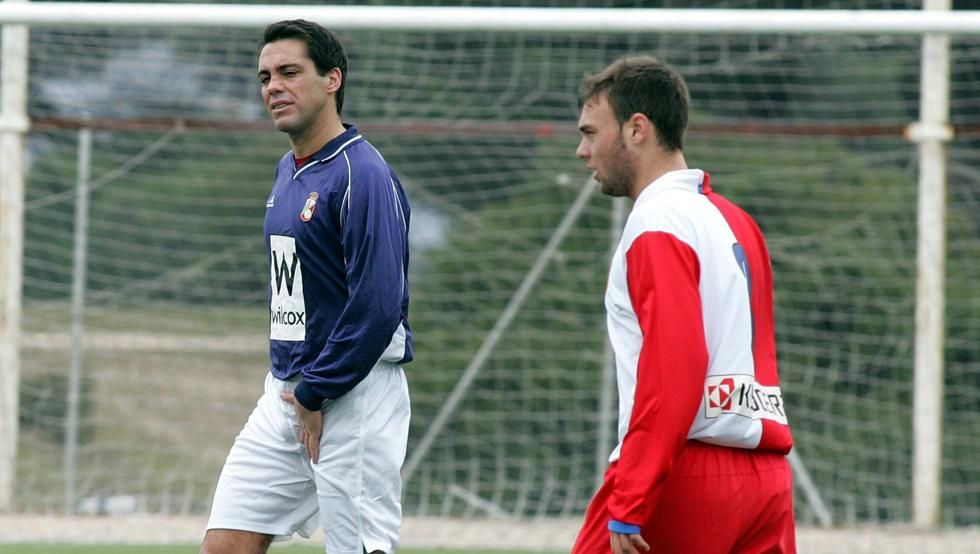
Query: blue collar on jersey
[{"x": 336, "y": 145}]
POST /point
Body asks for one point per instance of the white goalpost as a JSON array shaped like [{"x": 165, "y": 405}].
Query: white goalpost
[
  {"x": 135, "y": 155},
  {"x": 13, "y": 125}
]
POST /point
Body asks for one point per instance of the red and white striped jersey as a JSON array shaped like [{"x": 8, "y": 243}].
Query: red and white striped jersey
[{"x": 690, "y": 318}]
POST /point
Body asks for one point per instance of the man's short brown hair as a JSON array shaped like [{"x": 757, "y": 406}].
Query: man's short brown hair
[{"x": 645, "y": 85}]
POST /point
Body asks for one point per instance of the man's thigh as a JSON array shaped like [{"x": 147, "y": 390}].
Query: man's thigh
[
  {"x": 696, "y": 514},
  {"x": 266, "y": 486},
  {"x": 774, "y": 528},
  {"x": 229, "y": 541},
  {"x": 365, "y": 435},
  {"x": 679, "y": 524},
  {"x": 703, "y": 508},
  {"x": 721, "y": 499}
]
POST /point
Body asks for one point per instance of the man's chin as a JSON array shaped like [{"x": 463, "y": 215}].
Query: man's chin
[
  {"x": 613, "y": 190},
  {"x": 284, "y": 124}
]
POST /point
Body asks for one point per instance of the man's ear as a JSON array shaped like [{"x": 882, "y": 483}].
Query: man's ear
[
  {"x": 639, "y": 129},
  {"x": 333, "y": 79}
]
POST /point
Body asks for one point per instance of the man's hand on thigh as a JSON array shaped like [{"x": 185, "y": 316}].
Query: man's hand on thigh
[{"x": 310, "y": 426}]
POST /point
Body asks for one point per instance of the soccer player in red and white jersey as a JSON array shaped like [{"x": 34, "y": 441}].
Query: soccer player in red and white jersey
[{"x": 701, "y": 462}]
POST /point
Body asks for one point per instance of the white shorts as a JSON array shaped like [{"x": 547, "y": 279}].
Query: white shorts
[{"x": 269, "y": 486}]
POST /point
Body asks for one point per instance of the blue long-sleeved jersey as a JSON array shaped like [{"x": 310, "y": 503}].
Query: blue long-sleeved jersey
[{"x": 336, "y": 233}]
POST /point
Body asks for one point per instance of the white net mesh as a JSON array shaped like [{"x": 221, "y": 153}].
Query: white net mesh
[{"x": 804, "y": 132}]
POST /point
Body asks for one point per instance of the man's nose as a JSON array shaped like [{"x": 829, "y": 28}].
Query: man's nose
[
  {"x": 274, "y": 85},
  {"x": 582, "y": 151}
]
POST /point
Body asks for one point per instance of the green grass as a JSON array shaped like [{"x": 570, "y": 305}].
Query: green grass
[{"x": 178, "y": 549}]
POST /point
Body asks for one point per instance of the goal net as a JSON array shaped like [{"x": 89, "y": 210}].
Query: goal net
[{"x": 509, "y": 257}]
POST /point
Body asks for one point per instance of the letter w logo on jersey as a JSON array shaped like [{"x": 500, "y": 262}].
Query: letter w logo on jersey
[{"x": 287, "y": 307}]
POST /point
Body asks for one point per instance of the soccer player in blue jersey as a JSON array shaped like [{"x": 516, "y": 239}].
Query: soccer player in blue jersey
[{"x": 325, "y": 443}]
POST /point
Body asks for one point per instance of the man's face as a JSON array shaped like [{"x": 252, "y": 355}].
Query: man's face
[
  {"x": 603, "y": 149},
  {"x": 294, "y": 94}
]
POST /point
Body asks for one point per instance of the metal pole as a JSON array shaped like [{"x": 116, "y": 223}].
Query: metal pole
[
  {"x": 13, "y": 127},
  {"x": 607, "y": 388},
  {"x": 803, "y": 480},
  {"x": 503, "y": 322},
  {"x": 79, "y": 263},
  {"x": 931, "y": 132}
]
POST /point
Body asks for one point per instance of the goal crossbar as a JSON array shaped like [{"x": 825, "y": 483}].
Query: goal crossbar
[{"x": 497, "y": 19}]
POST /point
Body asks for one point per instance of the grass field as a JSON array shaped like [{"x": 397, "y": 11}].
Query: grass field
[
  {"x": 189, "y": 549},
  {"x": 426, "y": 537},
  {"x": 49, "y": 534}
]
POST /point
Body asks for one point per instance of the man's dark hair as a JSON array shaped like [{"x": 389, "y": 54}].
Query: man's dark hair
[
  {"x": 323, "y": 47},
  {"x": 648, "y": 86}
]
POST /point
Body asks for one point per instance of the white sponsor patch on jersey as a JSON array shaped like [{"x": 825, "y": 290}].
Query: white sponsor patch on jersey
[
  {"x": 741, "y": 395},
  {"x": 287, "y": 309}
]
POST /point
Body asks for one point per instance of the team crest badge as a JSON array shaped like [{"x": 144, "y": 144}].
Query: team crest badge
[{"x": 309, "y": 207}]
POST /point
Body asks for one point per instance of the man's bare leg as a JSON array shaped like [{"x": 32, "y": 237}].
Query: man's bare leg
[{"x": 230, "y": 541}]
